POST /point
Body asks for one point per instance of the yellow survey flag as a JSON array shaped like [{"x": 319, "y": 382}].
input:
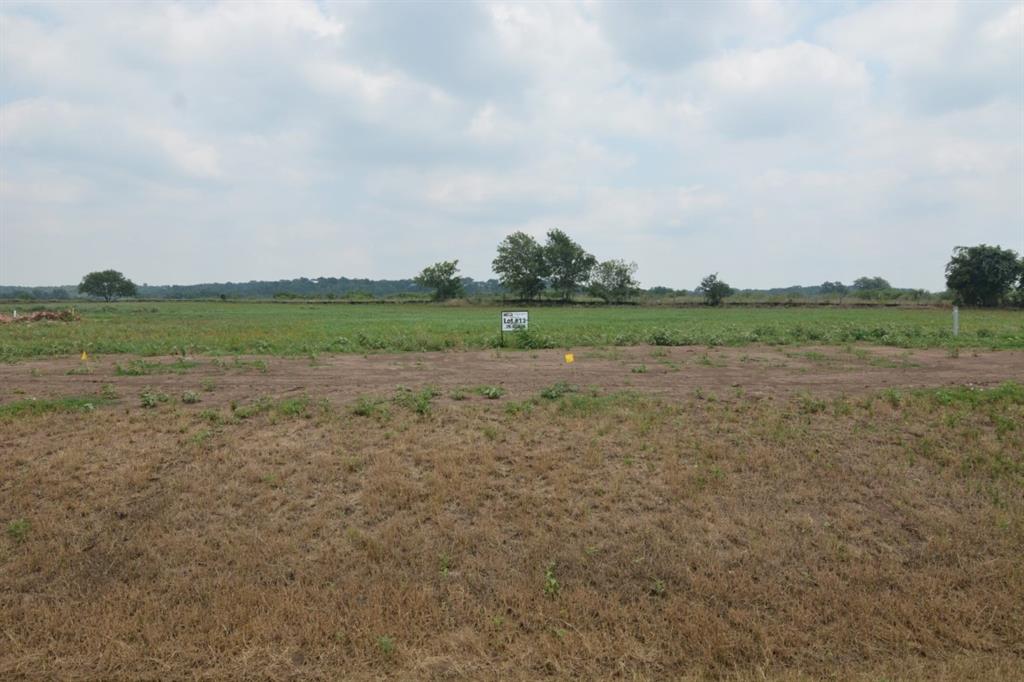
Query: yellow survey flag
[
  {"x": 85, "y": 356},
  {"x": 569, "y": 359}
]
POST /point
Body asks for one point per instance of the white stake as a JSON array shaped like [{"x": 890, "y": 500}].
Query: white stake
[{"x": 956, "y": 321}]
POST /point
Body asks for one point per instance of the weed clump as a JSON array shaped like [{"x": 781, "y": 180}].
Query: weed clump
[
  {"x": 369, "y": 407},
  {"x": 557, "y": 390},
  {"x": 150, "y": 399},
  {"x": 17, "y": 530},
  {"x": 551, "y": 584},
  {"x": 417, "y": 401},
  {"x": 490, "y": 392}
]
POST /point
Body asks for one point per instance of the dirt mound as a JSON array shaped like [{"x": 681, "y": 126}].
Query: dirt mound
[{"x": 55, "y": 315}]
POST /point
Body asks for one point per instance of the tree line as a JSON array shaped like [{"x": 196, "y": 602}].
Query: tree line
[{"x": 979, "y": 275}]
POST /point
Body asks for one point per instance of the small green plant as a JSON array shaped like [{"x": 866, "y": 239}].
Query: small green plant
[
  {"x": 81, "y": 369},
  {"x": 212, "y": 416},
  {"x": 551, "y": 584},
  {"x": 108, "y": 392},
  {"x": 17, "y": 530},
  {"x": 417, "y": 401},
  {"x": 445, "y": 563},
  {"x": 639, "y": 369},
  {"x": 811, "y": 405},
  {"x": 658, "y": 588},
  {"x": 522, "y": 407},
  {"x": 557, "y": 390},
  {"x": 293, "y": 407},
  {"x": 259, "y": 406},
  {"x": 490, "y": 392},
  {"x": 190, "y": 397},
  {"x": 368, "y": 407},
  {"x": 208, "y": 385},
  {"x": 151, "y": 399},
  {"x": 892, "y": 396},
  {"x": 386, "y": 644},
  {"x": 201, "y": 437},
  {"x": 458, "y": 394}
]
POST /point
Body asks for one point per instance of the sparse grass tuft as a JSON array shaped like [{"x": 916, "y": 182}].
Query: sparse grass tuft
[
  {"x": 369, "y": 407},
  {"x": 417, "y": 401},
  {"x": 31, "y": 406},
  {"x": 137, "y": 368},
  {"x": 17, "y": 530},
  {"x": 551, "y": 585},
  {"x": 557, "y": 390},
  {"x": 386, "y": 645}
]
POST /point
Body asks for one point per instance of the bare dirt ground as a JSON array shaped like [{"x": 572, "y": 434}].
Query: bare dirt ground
[{"x": 665, "y": 372}]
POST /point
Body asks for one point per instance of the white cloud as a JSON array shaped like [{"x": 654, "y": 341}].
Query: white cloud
[{"x": 774, "y": 142}]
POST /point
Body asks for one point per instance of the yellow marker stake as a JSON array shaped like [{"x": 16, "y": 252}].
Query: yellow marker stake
[
  {"x": 85, "y": 356},
  {"x": 569, "y": 359}
]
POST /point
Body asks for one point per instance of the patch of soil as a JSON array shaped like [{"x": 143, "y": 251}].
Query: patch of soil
[{"x": 666, "y": 372}]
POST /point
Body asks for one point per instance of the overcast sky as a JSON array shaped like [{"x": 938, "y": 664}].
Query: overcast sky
[{"x": 774, "y": 143}]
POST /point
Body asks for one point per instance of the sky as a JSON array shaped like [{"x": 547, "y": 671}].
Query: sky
[{"x": 775, "y": 143}]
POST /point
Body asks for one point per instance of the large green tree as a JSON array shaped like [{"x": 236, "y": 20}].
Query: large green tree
[
  {"x": 443, "y": 278},
  {"x": 520, "y": 265},
  {"x": 109, "y": 284},
  {"x": 715, "y": 290},
  {"x": 982, "y": 275},
  {"x": 568, "y": 264},
  {"x": 613, "y": 281}
]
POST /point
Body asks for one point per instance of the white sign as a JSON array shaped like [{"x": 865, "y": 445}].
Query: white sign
[{"x": 514, "y": 321}]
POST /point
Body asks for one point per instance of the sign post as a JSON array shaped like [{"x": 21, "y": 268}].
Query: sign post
[{"x": 513, "y": 321}]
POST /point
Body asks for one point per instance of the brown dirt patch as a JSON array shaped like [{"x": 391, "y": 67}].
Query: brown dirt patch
[{"x": 666, "y": 372}]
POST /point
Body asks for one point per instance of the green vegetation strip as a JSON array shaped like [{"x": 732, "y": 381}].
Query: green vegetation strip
[
  {"x": 32, "y": 407},
  {"x": 293, "y": 330}
]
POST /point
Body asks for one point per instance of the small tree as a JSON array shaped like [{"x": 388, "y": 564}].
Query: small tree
[
  {"x": 613, "y": 281},
  {"x": 520, "y": 265},
  {"x": 982, "y": 275},
  {"x": 568, "y": 264},
  {"x": 837, "y": 288},
  {"x": 109, "y": 284},
  {"x": 442, "y": 278},
  {"x": 714, "y": 290},
  {"x": 871, "y": 283}
]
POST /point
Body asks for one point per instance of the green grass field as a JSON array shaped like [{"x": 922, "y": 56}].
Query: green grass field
[{"x": 300, "y": 329}]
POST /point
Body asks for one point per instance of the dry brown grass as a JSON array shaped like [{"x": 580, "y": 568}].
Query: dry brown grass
[{"x": 864, "y": 538}]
